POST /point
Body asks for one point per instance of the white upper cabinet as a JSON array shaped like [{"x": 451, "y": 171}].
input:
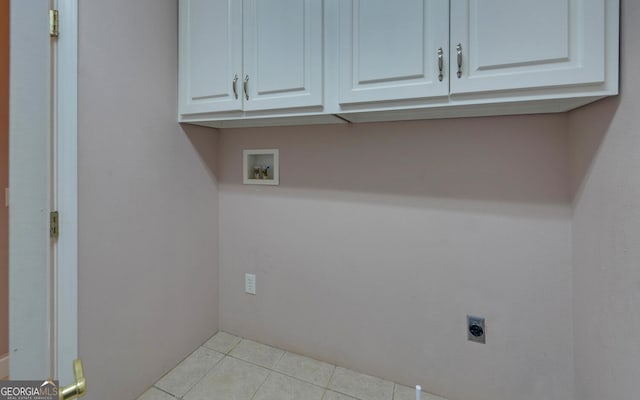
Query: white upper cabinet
[
  {"x": 283, "y": 54},
  {"x": 279, "y": 62},
  {"x": 210, "y": 55},
  {"x": 250, "y": 55},
  {"x": 393, "y": 50},
  {"x": 523, "y": 44}
]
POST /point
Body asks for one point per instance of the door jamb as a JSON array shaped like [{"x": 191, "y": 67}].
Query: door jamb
[{"x": 65, "y": 307}]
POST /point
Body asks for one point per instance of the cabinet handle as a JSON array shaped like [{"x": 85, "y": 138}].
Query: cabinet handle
[
  {"x": 235, "y": 86},
  {"x": 440, "y": 64},
  {"x": 245, "y": 86},
  {"x": 459, "y": 50}
]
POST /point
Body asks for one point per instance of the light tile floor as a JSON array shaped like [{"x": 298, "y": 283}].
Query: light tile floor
[{"x": 228, "y": 367}]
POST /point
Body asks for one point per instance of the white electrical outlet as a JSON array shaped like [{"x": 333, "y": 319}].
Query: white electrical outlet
[{"x": 250, "y": 283}]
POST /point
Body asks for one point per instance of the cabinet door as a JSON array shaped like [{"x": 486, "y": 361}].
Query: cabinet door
[
  {"x": 516, "y": 44},
  {"x": 390, "y": 50},
  {"x": 210, "y": 55},
  {"x": 283, "y": 53}
]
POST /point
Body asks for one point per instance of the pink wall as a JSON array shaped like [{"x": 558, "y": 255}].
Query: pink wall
[
  {"x": 382, "y": 237},
  {"x": 4, "y": 176},
  {"x": 147, "y": 202},
  {"x": 605, "y": 156}
]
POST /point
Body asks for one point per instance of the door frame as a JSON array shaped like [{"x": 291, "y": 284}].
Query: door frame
[{"x": 65, "y": 314}]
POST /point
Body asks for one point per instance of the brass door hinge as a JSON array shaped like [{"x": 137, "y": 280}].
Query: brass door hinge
[
  {"x": 53, "y": 23},
  {"x": 54, "y": 227}
]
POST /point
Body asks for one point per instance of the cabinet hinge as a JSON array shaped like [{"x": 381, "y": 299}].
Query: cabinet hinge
[
  {"x": 53, "y": 23},
  {"x": 54, "y": 227}
]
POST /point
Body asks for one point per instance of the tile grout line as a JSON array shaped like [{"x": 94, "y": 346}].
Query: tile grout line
[
  {"x": 368, "y": 375},
  {"x": 335, "y": 367},
  {"x": 284, "y": 352},
  {"x": 164, "y": 391},
  {"x": 205, "y": 374},
  {"x": 299, "y": 379},
  {"x": 250, "y": 362},
  {"x": 344, "y": 394},
  {"x": 335, "y": 390},
  {"x": 177, "y": 365},
  {"x": 218, "y": 351},
  {"x": 273, "y": 370},
  {"x": 235, "y": 345},
  {"x": 261, "y": 385},
  {"x": 279, "y": 359},
  {"x": 283, "y": 373},
  {"x": 183, "y": 360}
]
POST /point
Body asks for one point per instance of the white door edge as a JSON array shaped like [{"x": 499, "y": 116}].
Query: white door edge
[
  {"x": 30, "y": 124},
  {"x": 65, "y": 308},
  {"x": 43, "y": 176}
]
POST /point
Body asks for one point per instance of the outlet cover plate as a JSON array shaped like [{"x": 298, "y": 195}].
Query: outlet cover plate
[
  {"x": 250, "y": 283},
  {"x": 476, "y": 331}
]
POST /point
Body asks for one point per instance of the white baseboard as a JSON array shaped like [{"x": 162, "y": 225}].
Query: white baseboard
[{"x": 4, "y": 366}]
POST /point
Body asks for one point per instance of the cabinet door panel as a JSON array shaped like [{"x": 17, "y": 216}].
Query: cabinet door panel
[
  {"x": 389, "y": 50},
  {"x": 210, "y": 55},
  {"x": 283, "y": 53},
  {"x": 515, "y": 44}
]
